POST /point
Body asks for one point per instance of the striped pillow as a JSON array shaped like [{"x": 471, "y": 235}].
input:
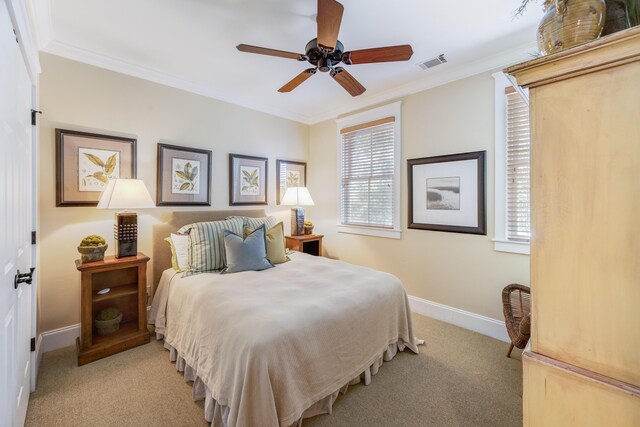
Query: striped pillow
[
  {"x": 206, "y": 248},
  {"x": 253, "y": 223}
]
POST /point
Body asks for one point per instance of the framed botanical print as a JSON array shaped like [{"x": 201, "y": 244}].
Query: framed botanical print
[
  {"x": 447, "y": 193},
  {"x": 247, "y": 180},
  {"x": 184, "y": 176},
  {"x": 85, "y": 162},
  {"x": 289, "y": 174}
]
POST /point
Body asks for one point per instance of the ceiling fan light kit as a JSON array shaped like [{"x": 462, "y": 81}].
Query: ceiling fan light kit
[{"x": 325, "y": 52}]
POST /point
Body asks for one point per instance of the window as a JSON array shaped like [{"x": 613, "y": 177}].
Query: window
[
  {"x": 369, "y": 153},
  {"x": 512, "y": 170}
]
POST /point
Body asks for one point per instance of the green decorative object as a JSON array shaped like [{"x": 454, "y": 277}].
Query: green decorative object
[
  {"x": 633, "y": 12},
  {"x": 93, "y": 240},
  {"x": 308, "y": 227},
  {"x": 92, "y": 248},
  {"x": 108, "y": 321}
]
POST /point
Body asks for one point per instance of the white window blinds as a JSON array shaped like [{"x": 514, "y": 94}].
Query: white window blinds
[
  {"x": 368, "y": 174},
  {"x": 518, "y": 168}
]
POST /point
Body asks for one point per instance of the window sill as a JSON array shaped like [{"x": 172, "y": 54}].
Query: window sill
[
  {"x": 368, "y": 231},
  {"x": 512, "y": 247}
]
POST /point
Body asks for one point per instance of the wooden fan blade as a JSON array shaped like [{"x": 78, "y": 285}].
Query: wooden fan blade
[
  {"x": 378, "y": 54},
  {"x": 271, "y": 52},
  {"x": 347, "y": 81},
  {"x": 298, "y": 80},
  {"x": 329, "y": 19}
]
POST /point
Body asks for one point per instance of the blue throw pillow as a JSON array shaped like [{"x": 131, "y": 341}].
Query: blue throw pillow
[{"x": 249, "y": 254}]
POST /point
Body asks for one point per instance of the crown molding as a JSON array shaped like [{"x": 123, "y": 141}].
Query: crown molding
[
  {"x": 41, "y": 30},
  {"x": 447, "y": 74},
  {"x": 102, "y": 61}
]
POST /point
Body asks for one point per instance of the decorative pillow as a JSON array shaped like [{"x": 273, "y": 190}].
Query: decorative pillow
[
  {"x": 249, "y": 254},
  {"x": 206, "y": 243},
  {"x": 180, "y": 249},
  {"x": 276, "y": 251},
  {"x": 253, "y": 223},
  {"x": 174, "y": 259}
]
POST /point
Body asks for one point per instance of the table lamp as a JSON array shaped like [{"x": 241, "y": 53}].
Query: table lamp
[
  {"x": 126, "y": 194},
  {"x": 298, "y": 197}
]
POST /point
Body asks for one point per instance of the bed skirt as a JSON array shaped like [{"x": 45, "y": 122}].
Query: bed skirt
[{"x": 217, "y": 414}]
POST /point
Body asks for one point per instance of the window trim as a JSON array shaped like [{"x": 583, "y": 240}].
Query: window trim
[
  {"x": 393, "y": 109},
  {"x": 500, "y": 241}
]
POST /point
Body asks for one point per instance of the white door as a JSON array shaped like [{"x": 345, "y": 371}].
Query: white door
[{"x": 15, "y": 226}]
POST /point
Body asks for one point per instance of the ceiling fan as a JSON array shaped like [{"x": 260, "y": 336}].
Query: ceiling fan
[{"x": 325, "y": 52}]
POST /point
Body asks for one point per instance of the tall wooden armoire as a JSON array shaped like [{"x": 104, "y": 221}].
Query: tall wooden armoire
[{"x": 582, "y": 366}]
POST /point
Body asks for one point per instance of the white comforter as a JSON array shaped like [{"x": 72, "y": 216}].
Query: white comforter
[{"x": 268, "y": 345}]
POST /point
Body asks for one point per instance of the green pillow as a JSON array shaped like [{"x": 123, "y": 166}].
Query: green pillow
[
  {"x": 253, "y": 223},
  {"x": 276, "y": 252},
  {"x": 174, "y": 258},
  {"x": 206, "y": 243}
]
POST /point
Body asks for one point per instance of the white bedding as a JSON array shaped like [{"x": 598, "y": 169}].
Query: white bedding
[{"x": 274, "y": 346}]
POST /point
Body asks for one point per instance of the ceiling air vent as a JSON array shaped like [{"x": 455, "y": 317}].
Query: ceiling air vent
[{"x": 430, "y": 63}]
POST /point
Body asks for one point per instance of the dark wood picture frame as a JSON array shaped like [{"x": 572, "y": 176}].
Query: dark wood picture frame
[
  {"x": 481, "y": 227},
  {"x": 164, "y": 190},
  {"x": 236, "y": 198},
  {"x": 68, "y": 146},
  {"x": 279, "y": 170}
]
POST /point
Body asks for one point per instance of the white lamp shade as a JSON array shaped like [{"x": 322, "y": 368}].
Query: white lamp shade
[
  {"x": 297, "y": 196},
  {"x": 126, "y": 194}
]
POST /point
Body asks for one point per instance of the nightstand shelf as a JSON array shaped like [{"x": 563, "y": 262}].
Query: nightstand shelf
[
  {"x": 308, "y": 243},
  {"x": 116, "y": 292},
  {"x": 127, "y": 280}
]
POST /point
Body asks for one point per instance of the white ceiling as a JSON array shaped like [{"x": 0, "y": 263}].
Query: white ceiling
[{"x": 190, "y": 44}]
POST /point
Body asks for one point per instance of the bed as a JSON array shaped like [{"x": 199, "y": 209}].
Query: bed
[{"x": 272, "y": 347}]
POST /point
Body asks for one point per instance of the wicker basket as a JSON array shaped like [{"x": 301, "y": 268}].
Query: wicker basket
[
  {"x": 107, "y": 327},
  {"x": 516, "y": 305}
]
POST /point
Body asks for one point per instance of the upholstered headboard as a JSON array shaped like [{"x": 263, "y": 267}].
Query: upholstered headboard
[{"x": 175, "y": 220}]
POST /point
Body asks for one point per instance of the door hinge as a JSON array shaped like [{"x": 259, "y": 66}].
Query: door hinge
[
  {"x": 33, "y": 237},
  {"x": 33, "y": 344},
  {"x": 33, "y": 116}
]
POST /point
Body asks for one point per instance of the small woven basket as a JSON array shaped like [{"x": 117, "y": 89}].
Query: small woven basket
[{"x": 107, "y": 327}]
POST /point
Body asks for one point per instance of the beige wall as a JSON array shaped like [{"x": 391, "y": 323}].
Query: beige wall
[
  {"x": 458, "y": 270},
  {"x": 82, "y": 97}
]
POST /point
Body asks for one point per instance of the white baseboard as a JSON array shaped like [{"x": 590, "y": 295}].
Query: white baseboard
[
  {"x": 60, "y": 338},
  {"x": 465, "y": 319}
]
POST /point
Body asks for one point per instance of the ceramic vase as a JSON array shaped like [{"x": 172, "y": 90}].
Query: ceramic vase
[{"x": 568, "y": 23}]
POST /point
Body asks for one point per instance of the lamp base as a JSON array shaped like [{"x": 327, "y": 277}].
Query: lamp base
[
  {"x": 125, "y": 234},
  {"x": 297, "y": 221}
]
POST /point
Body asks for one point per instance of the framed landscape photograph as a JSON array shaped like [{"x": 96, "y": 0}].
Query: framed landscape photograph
[
  {"x": 289, "y": 174},
  {"x": 184, "y": 176},
  {"x": 447, "y": 193},
  {"x": 85, "y": 162},
  {"x": 247, "y": 180}
]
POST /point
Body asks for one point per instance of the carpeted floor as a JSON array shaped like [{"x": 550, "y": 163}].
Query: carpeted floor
[{"x": 460, "y": 378}]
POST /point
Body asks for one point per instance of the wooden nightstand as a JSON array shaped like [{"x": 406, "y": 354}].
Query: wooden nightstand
[
  {"x": 127, "y": 279},
  {"x": 307, "y": 243}
]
